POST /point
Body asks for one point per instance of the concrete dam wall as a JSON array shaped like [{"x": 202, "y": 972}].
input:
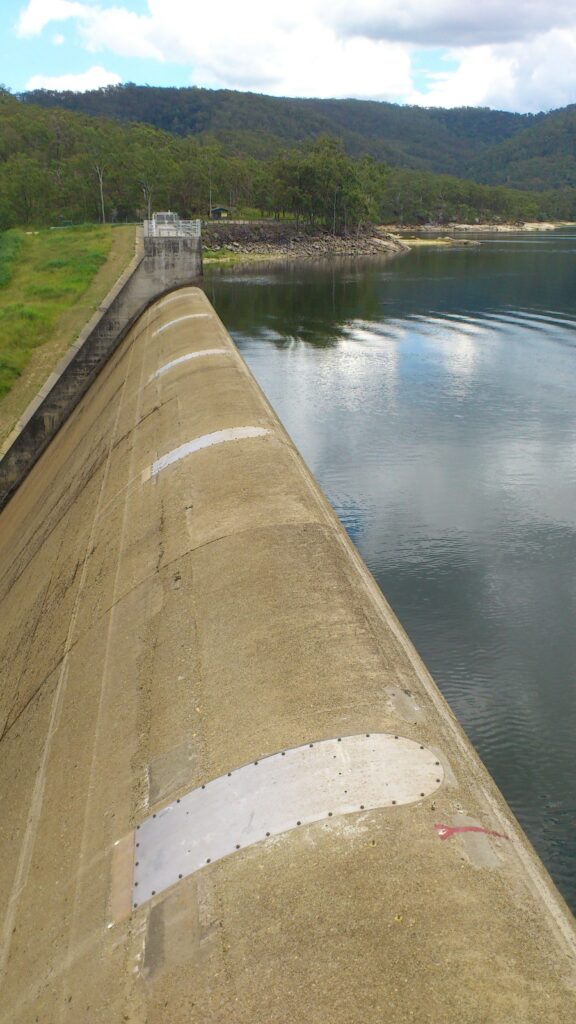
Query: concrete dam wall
[{"x": 231, "y": 792}]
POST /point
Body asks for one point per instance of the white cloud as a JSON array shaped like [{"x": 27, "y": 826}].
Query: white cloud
[
  {"x": 538, "y": 75},
  {"x": 479, "y": 73},
  {"x": 101, "y": 28},
  {"x": 58, "y": 39},
  {"x": 284, "y": 50},
  {"x": 119, "y": 31},
  {"x": 505, "y": 56},
  {"x": 94, "y": 78},
  {"x": 544, "y": 72},
  {"x": 39, "y": 13}
]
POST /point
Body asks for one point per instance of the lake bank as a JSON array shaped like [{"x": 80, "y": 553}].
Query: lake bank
[
  {"x": 278, "y": 240},
  {"x": 236, "y": 242},
  {"x": 443, "y": 234},
  {"x": 417, "y": 240},
  {"x": 483, "y": 228}
]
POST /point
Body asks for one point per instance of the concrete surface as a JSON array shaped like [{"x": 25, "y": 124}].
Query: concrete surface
[{"x": 159, "y": 630}]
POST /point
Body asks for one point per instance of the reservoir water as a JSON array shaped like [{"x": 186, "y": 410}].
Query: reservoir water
[{"x": 434, "y": 398}]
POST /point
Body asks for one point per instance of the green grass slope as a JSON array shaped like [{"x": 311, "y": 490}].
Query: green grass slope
[{"x": 41, "y": 275}]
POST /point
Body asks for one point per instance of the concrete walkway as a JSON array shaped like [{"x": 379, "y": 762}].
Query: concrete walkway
[{"x": 178, "y": 602}]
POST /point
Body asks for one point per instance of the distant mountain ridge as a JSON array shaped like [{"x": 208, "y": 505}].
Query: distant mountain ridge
[{"x": 477, "y": 143}]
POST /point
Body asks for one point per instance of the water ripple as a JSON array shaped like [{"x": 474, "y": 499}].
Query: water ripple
[{"x": 436, "y": 404}]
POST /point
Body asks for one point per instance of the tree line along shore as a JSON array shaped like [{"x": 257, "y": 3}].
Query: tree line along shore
[{"x": 59, "y": 167}]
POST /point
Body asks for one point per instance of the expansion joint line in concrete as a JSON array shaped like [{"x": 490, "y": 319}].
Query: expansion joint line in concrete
[
  {"x": 104, "y": 679},
  {"x": 200, "y": 547},
  {"x": 278, "y": 437},
  {"x": 9, "y": 725},
  {"x": 151, "y": 412},
  {"x": 9, "y": 721},
  {"x": 36, "y": 802},
  {"x": 71, "y": 495},
  {"x": 165, "y": 566}
]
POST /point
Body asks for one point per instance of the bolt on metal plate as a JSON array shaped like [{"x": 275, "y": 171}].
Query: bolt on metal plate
[{"x": 276, "y": 794}]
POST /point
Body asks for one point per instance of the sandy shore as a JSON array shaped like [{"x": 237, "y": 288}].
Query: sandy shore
[
  {"x": 442, "y": 229},
  {"x": 437, "y": 240}
]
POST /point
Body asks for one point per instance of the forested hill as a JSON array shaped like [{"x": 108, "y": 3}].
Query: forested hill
[
  {"x": 523, "y": 151},
  {"x": 62, "y": 167},
  {"x": 443, "y": 141},
  {"x": 541, "y": 156}
]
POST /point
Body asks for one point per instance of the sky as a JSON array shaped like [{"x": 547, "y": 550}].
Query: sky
[{"x": 506, "y": 55}]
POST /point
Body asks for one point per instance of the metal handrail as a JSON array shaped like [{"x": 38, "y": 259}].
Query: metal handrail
[{"x": 173, "y": 229}]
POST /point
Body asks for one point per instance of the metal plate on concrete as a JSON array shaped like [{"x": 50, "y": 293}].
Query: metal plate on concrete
[{"x": 285, "y": 791}]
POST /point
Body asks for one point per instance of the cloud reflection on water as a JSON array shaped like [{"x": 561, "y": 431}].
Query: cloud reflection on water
[{"x": 438, "y": 411}]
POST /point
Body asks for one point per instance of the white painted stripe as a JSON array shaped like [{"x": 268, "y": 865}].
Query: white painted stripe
[
  {"x": 275, "y": 795},
  {"x": 189, "y": 355},
  {"x": 206, "y": 441},
  {"x": 180, "y": 319},
  {"x": 173, "y": 298}
]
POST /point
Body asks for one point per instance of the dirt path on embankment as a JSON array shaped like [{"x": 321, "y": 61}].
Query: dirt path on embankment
[{"x": 70, "y": 323}]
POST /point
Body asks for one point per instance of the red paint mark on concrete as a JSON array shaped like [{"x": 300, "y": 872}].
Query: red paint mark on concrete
[{"x": 446, "y": 832}]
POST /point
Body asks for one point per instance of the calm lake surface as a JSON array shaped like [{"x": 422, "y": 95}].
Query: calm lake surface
[{"x": 434, "y": 398}]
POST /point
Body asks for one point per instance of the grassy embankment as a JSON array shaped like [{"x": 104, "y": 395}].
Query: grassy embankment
[
  {"x": 225, "y": 255},
  {"x": 51, "y": 282}
]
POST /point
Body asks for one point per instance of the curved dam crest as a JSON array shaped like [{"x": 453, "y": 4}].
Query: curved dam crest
[{"x": 159, "y": 631}]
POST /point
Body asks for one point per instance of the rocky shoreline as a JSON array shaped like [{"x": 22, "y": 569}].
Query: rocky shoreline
[
  {"x": 278, "y": 240},
  {"x": 235, "y": 241}
]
